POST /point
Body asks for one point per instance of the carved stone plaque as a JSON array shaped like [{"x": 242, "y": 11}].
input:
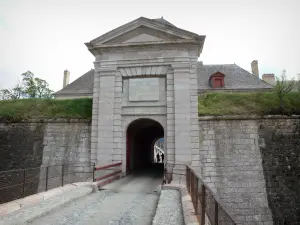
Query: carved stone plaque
[{"x": 143, "y": 89}]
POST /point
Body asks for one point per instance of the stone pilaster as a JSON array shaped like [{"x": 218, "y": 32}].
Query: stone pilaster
[
  {"x": 105, "y": 118},
  {"x": 94, "y": 129},
  {"x": 182, "y": 113},
  {"x": 117, "y": 123},
  {"x": 170, "y": 132},
  {"x": 194, "y": 126}
]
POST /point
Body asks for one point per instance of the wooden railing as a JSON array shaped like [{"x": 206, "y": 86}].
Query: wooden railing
[
  {"x": 207, "y": 207},
  {"x": 107, "y": 177},
  {"x": 15, "y": 184},
  {"x": 19, "y": 183}
]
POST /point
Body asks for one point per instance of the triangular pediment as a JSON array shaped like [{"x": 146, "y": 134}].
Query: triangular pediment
[
  {"x": 143, "y": 30},
  {"x": 143, "y": 38},
  {"x": 142, "y": 34}
]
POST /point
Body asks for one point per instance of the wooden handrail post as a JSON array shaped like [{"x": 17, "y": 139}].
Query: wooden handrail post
[
  {"x": 191, "y": 183},
  {"x": 24, "y": 181},
  {"x": 62, "y": 175},
  {"x": 196, "y": 196},
  {"x": 47, "y": 169},
  {"x": 186, "y": 177},
  {"x": 216, "y": 213},
  {"x": 94, "y": 169},
  {"x": 203, "y": 203}
]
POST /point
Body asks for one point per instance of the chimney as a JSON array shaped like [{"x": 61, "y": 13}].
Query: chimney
[
  {"x": 66, "y": 78},
  {"x": 269, "y": 78},
  {"x": 254, "y": 66}
]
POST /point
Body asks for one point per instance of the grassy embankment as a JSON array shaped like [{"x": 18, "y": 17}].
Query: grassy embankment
[
  {"x": 23, "y": 109},
  {"x": 263, "y": 103},
  {"x": 209, "y": 104}
]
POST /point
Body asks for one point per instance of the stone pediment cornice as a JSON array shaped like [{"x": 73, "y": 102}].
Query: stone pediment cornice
[
  {"x": 144, "y": 43},
  {"x": 164, "y": 34}
]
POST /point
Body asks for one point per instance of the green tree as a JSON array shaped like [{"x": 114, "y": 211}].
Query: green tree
[
  {"x": 13, "y": 93},
  {"x": 30, "y": 87},
  {"x": 35, "y": 87},
  {"x": 283, "y": 87}
]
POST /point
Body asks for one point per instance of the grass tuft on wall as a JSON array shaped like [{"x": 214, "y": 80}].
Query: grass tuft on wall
[
  {"x": 252, "y": 103},
  {"x": 22, "y": 109}
]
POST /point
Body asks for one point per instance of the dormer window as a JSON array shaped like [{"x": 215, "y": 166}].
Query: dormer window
[{"x": 217, "y": 80}]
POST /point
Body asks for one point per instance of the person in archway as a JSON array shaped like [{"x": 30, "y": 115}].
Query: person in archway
[
  {"x": 162, "y": 157},
  {"x": 157, "y": 158}
]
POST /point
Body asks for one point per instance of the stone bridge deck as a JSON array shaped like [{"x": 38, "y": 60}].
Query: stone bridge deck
[{"x": 130, "y": 200}]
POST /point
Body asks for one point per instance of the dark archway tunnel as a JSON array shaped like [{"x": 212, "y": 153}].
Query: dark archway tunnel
[{"x": 141, "y": 136}]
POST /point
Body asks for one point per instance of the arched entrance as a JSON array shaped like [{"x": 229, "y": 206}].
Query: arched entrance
[{"x": 141, "y": 135}]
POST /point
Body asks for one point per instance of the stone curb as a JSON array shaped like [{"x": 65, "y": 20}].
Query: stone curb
[
  {"x": 247, "y": 117},
  {"x": 49, "y": 120},
  {"x": 33, "y": 212},
  {"x": 31, "y": 200},
  {"x": 168, "y": 209},
  {"x": 186, "y": 202}
]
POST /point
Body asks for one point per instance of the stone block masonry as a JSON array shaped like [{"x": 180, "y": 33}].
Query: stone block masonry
[
  {"x": 67, "y": 142},
  {"x": 252, "y": 165},
  {"x": 21, "y": 145},
  {"x": 232, "y": 167},
  {"x": 37, "y": 144},
  {"x": 280, "y": 150}
]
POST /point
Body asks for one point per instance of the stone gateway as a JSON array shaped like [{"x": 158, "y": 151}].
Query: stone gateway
[
  {"x": 145, "y": 82},
  {"x": 148, "y": 70}
]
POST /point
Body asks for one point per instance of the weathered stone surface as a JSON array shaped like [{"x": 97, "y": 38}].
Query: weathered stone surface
[
  {"x": 37, "y": 144},
  {"x": 253, "y": 166},
  {"x": 144, "y": 89},
  {"x": 232, "y": 167},
  {"x": 280, "y": 150},
  {"x": 21, "y": 145}
]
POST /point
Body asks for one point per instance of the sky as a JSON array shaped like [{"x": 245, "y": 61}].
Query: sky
[{"x": 48, "y": 36}]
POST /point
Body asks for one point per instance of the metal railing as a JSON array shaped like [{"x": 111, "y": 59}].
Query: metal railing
[
  {"x": 207, "y": 208},
  {"x": 15, "y": 184}
]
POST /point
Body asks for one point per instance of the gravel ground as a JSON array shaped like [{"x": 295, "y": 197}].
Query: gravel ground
[
  {"x": 105, "y": 207},
  {"x": 131, "y": 201},
  {"x": 169, "y": 210}
]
